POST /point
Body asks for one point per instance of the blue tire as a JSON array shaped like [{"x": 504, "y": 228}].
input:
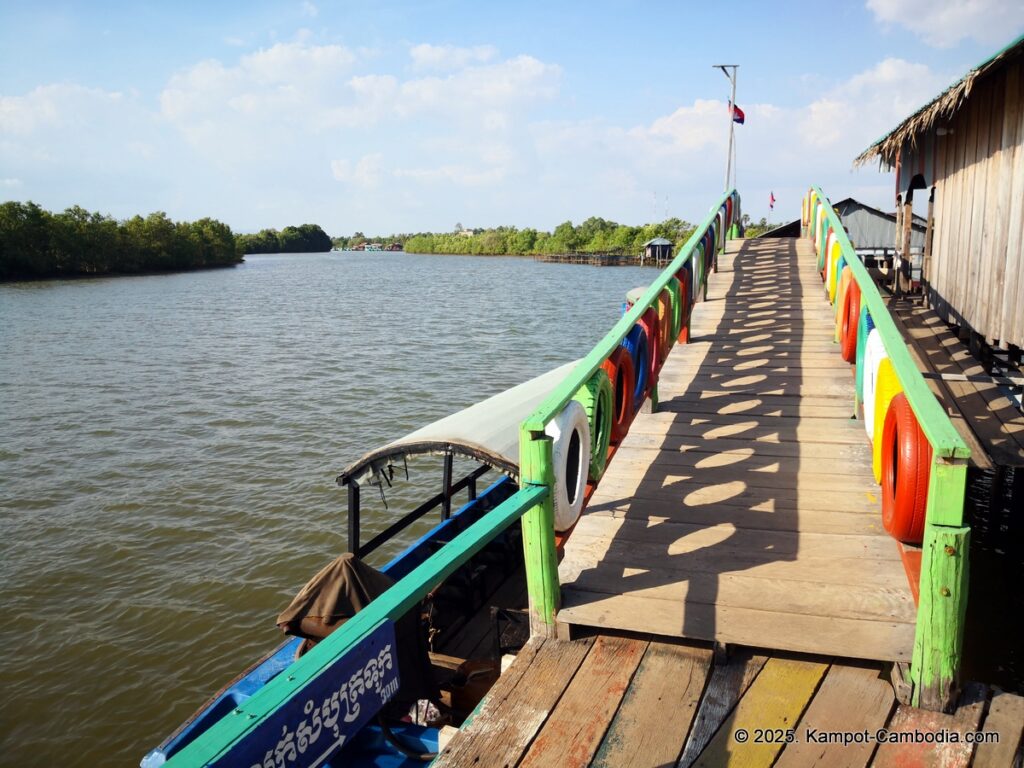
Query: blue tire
[{"x": 636, "y": 344}]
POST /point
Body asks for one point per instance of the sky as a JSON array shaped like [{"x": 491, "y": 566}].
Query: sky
[{"x": 387, "y": 117}]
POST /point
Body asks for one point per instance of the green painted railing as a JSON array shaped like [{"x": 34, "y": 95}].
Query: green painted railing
[
  {"x": 391, "y": 605},
  {"x": 938, "y": 639},
  {"x": 535, "y": 447}
]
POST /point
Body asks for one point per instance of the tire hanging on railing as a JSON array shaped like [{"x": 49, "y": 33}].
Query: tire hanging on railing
[
  {"x": 823, "y": 262},
  {"x": 596, "y": 398},
  {"x": 570, "y": 451},
  {"x": 649, "y": 322},
  {"x": 849, "y": 320},
  {"x": 887, "y": 386},
  {"x": 874, "y": 353},
  {"x": 837, "y": 269},
  {"x": 665, "y": 338},
  {"x": 619, "y": 367},
  {"x": 842, "y": 286},
  {"x": 864, "y": 326},
  {"x": 638, "y": 347},
  {"x": 906, "y": 467},
  {"x": 685, "y": 304},
  {"x": 675, "y": 290}
]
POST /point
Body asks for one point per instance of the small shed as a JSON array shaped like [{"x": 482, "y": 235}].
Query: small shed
[
  {"x": 658, "y": 249},
  {"x": 963, "y": 152}
]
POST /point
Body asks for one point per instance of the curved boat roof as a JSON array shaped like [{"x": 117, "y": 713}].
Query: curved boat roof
[{"x": 487, "y": 432}]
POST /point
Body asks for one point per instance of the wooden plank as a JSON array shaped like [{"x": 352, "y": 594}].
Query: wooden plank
[
  {"x": 728, "y": 683},
  {"x": 781, "y": 519},
  {"x": 1006, "y": 718},
  {"x": 754, "y": 460},
  {"x": 776, "y": 699},
  {"x": 574, "y": 730},
  {"x": 915, "y": 751},
  {"x": 517, "y": 706},
  {"x": 851, "y": 699},
  {"x": 742, "y": 590},
  {"x": 654, "y": 720},
  {"x": 884, "y": 640},
  {"x": 766, "y": 448}
]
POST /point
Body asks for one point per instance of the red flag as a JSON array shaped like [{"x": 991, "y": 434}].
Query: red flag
[
  {"x": 771, "y": 201},
  {"x": 737, "y": 114}
]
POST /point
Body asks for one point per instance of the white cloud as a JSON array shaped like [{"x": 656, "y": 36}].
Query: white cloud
[
  {"x": 49, "y": 105},
  {"x": 366, "y": 173},
  {"x": 443, "y": 58},
  {"x": 308, "y": 9},
  {"x": 234, "y": 42},
  {"x": 10, "y": 183},
  {"x": 944, "y": 23}
]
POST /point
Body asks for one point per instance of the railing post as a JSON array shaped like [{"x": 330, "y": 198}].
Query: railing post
[
  {"x": 542, "y": 585},
  {"x": 353, "y": 518},
  {"x": 446, "y": 480},
  {"x": 939, "y": 634}
]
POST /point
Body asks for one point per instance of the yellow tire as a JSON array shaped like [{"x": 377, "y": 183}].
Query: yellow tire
[
  {"x": 887, "y": 386},
  {"x": 833, "y": 271}
]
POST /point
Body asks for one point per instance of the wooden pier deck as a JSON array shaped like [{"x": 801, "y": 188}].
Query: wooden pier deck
[
  {"x": 642, "y": 702},
  {"x": 744, "y": 511},
  {"x": 729, "y": 597}
]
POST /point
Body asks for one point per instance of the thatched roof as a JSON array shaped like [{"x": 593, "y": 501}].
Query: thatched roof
[{"x": 942, "y": 107}]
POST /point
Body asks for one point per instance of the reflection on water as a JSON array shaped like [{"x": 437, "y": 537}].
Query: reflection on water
[{"x": 168, "y": 449}]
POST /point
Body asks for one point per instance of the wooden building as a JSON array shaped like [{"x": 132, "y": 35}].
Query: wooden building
[
  {"x": 962, "y": 155},
  {"x": 658, "y": 250}
]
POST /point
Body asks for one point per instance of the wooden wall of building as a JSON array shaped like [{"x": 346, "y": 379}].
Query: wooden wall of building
[{"x": 976, "y": 270}]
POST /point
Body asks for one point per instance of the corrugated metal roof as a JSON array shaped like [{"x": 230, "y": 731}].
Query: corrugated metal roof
[{"x": 658, "y": 241}]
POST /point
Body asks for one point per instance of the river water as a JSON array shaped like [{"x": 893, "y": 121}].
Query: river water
[{"x": 168, "y": 450}]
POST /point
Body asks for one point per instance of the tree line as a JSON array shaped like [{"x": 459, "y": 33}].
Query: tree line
[
  {"x": 307, "y": 238},
  {"x": 35, "y": 243},
  {"x": 595, "y": 235}
]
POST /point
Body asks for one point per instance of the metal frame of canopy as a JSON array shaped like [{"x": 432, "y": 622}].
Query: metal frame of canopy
[{"x": 487, "y": 432}]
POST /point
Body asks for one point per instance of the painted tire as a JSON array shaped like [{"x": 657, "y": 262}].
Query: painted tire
[
  {"x": 665, "y": 323},
  {"x": 887, "y": 386},
  {"x": 596, "y": 398},
  {"x": 637, "y": 346},
  {"x": 649, "y": 322},
  {"x": 906, "y": 466},
  {"x": 823, "y": 262},
  {"x": 619, "y": 367},
  {"x": 698, "y": 271},
  {"x": 570, "y": 435},
  {"x": 675, "y": 290},
  {"x": 849, "y": 317},
  {"x": 833, "y": 283},
  {"x": 874, "y": 353},
  {"x": 685, "y": 282},
  {"x": 842, "y": 286},
  {"x": 864, "y": 326}
]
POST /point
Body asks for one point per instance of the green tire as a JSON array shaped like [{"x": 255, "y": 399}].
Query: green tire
[
  {"x": 677, "y": 307},
  {"x": 596, "y": 398}
]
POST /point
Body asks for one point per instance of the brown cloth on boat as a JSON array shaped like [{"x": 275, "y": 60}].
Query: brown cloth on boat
[{"x": 336, "y": 594}]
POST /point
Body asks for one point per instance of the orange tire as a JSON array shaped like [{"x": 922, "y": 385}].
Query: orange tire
[
  {"x": 906, "y": 468},
  {"x": 849, "y": 315},
  {"x": 684, "y": 303},
  {"x": 665, "y": 339},
  {"x": 619, "y": 367}
]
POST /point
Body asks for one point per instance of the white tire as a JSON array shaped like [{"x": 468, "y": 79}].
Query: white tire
[
  {"x": 570, "y": 452},
  {"x": 874, "y": 353}
]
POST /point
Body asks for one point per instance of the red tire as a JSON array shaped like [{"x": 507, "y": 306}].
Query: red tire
[
  {"x": 665, "y": 340},
  {"x": 850, "y": 314},
  {"x": 906, "y": 467},
  {"x": 649, "y": 322},
  {"x": 684, "y": 303},
  {"x": 619, "y": 367}
]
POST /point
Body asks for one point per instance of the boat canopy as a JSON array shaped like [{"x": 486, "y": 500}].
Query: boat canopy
[{"x": 487, "y": 432}]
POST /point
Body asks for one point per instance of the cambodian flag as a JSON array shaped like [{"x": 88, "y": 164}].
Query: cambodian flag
[
  {"x": 771, "y": 201},
  {"x": 737, "y": 115}
]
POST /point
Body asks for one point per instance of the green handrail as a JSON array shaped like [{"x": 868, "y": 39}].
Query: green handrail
[
  {"x": 391, "y": 605},
  {"x": 937, "y": 427},
  {"x": 565, "y": 391},
  {"x": 942, "y": 604},
  {"x": 535, "y": 447}
]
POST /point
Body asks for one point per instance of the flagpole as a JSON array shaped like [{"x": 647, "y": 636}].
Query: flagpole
[{"x": 732, "y": 124}]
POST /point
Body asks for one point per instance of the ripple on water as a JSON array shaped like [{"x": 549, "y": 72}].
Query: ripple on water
[{"x": 168, "y": 472}]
